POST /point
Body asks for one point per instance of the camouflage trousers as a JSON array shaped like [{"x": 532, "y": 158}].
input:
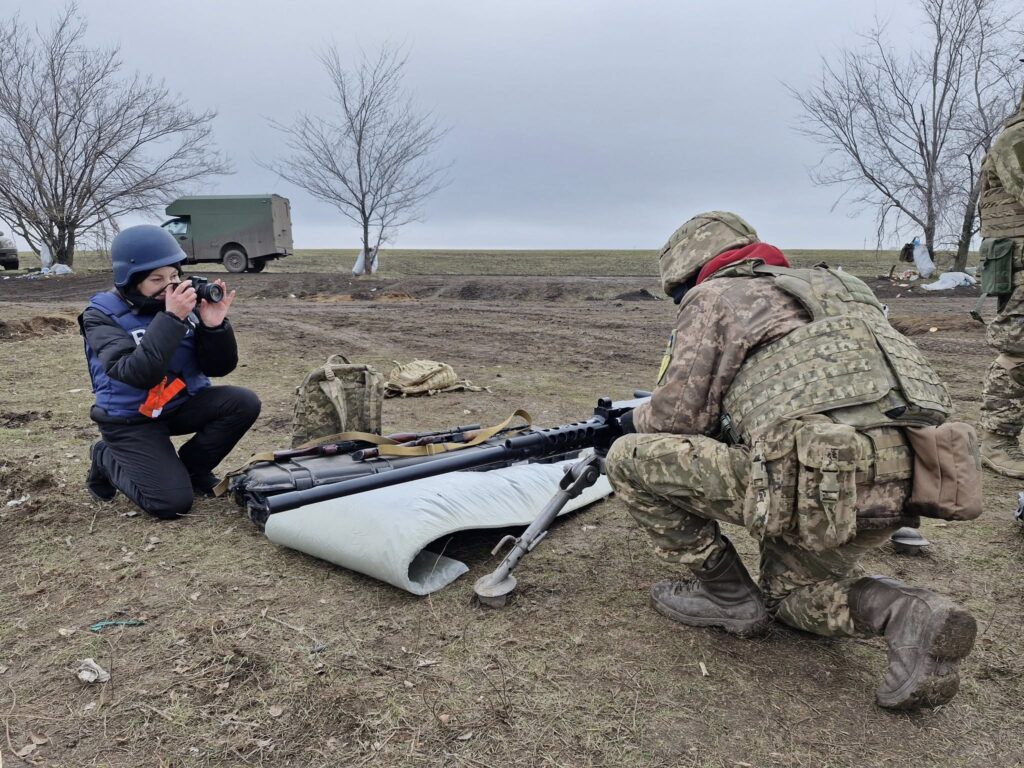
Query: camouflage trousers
[
  {"x": 679, "y": 487},
  {"x": 1002, "y": 405}
]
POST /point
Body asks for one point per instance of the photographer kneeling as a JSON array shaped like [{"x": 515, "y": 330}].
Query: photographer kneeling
[{"x": 151, "y": 344}]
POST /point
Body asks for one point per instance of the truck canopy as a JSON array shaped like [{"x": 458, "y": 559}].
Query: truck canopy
[{"x": 218, "y": 205}]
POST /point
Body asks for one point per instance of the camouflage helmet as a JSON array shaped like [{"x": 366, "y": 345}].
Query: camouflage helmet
[{"x": 697, "y": 242}]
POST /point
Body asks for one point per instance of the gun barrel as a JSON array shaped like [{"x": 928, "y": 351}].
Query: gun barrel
[{"x": 428, "y": 466}]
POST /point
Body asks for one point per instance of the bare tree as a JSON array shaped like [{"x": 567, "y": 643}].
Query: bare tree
[
  {"x": 905, "y": 128},
  {"x": 81, "y": 143},
  {"x": 371, "y": 159}
]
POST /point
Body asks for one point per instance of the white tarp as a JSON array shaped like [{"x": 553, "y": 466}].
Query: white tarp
[
  {"x": 949, "y": 280},
  {"x": 383, "y": 533}
]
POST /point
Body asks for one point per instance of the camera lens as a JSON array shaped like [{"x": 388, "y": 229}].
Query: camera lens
[{"x": 206, "y": 290}]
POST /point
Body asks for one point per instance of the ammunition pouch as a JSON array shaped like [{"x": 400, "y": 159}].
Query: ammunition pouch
[
  {"x": 804, "y": 478},
  {"x": 996, "y": 273}
]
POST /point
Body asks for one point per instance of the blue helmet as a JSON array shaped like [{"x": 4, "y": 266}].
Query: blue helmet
[{"x": 142, "y": 249}]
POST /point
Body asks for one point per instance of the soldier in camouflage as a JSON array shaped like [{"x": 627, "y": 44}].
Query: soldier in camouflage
[
  {"x": 780, "y": 407},
  {"x": 1001, "y": 207}
]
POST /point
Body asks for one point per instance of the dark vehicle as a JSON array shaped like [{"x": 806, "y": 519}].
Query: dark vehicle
[
  {"x": 8, "y": 253},
  {"x": 243, "y": 232}
]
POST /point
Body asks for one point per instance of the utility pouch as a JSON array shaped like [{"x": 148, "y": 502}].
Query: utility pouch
[
  {"x": 771, "y": 490},
  {"x": 996, "y": 272},
  {"x": 337, "y": 397},
  {"x": 829, "y": 456},
  {"x": 947, "y": 472}
]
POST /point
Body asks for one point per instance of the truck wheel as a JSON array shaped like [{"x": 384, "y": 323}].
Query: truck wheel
[
  {"x": 235, "y": 260},
  {"x": 257, "y": 265}
]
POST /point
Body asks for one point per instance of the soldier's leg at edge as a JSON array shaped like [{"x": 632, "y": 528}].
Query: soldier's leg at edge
[
  {"x": 1002, "y": 416},
  {"x": 1002, "y": 403}
]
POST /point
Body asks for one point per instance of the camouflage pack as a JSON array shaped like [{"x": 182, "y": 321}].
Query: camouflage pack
[
  {"x": 337, "y": 397},
  {"x": 425, "y": 377}
]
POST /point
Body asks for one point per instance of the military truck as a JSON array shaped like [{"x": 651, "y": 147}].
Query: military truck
[
  {"x": 242, "y": 232},
  {"x": 8, "y": 253}
]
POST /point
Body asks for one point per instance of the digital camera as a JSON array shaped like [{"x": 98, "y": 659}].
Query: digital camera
[{"x": 205, "y": 289}]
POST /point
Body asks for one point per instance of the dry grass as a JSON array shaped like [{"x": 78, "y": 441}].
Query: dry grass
[{"x": 252, "y": 655}]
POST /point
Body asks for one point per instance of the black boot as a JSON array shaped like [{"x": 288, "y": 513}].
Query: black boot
[
  {"x": 722, "y": 595},
  {"x": 204, "y": 483},
  {"x": 927, "y": 636},
  {"x": 96, "y": 481}
]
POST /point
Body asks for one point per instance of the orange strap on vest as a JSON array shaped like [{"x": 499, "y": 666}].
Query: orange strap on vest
[{"x": 161, "y": 395}]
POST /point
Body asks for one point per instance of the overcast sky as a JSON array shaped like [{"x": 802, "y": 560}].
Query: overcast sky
[{"x": 574, "y": 123}]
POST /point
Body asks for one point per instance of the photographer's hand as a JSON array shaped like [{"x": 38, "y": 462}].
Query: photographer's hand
[
  {"x": 213, "y": 314},
  {"x": 180, "y": 299}
]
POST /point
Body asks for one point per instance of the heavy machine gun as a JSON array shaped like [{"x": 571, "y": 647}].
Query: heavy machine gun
[{"x": 358, "y": 471}]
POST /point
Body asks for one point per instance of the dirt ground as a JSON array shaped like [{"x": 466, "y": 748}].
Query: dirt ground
[{"x": 250, "y": 654}]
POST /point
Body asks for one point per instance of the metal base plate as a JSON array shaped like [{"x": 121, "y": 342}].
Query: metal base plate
[{"x": 494, "y": 595}]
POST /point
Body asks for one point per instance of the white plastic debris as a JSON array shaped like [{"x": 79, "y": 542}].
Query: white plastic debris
[
  {"x": 17, "y": 502},
  {"x": 90, "y": 672},
  {"x": 950, "y": 280},
  {"x": 923, "y": 262},
  {"x": 360, "y": 266}
]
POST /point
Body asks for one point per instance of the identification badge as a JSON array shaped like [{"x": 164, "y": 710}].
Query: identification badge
[{"x": 667, "y": 357}]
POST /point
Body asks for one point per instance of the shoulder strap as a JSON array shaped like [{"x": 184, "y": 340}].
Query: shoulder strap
[
  {"x": 431, "y": 449},
  {"x": 110, "y": 303}
]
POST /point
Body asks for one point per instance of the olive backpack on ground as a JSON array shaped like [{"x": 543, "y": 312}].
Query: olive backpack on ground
[{"x": 337, "y": 397}]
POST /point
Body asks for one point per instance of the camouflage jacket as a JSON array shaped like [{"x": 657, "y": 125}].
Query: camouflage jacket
[{"x": 720, "y": 323}]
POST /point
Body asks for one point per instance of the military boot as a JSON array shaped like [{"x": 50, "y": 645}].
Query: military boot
[
  {"x": 96, "y": 481},
  {"x": 722, "y": 595},
  {"x": 927, "y": 636},
  {"x": 1001, "y": 453}
]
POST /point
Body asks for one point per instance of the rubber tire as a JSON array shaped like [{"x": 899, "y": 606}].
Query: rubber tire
[
  {"x": 235, "y": 260},
  {"x": 257, "y": 265}
]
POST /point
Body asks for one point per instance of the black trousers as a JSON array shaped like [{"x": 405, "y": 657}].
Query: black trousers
[{"x": 140, "y": 459}]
